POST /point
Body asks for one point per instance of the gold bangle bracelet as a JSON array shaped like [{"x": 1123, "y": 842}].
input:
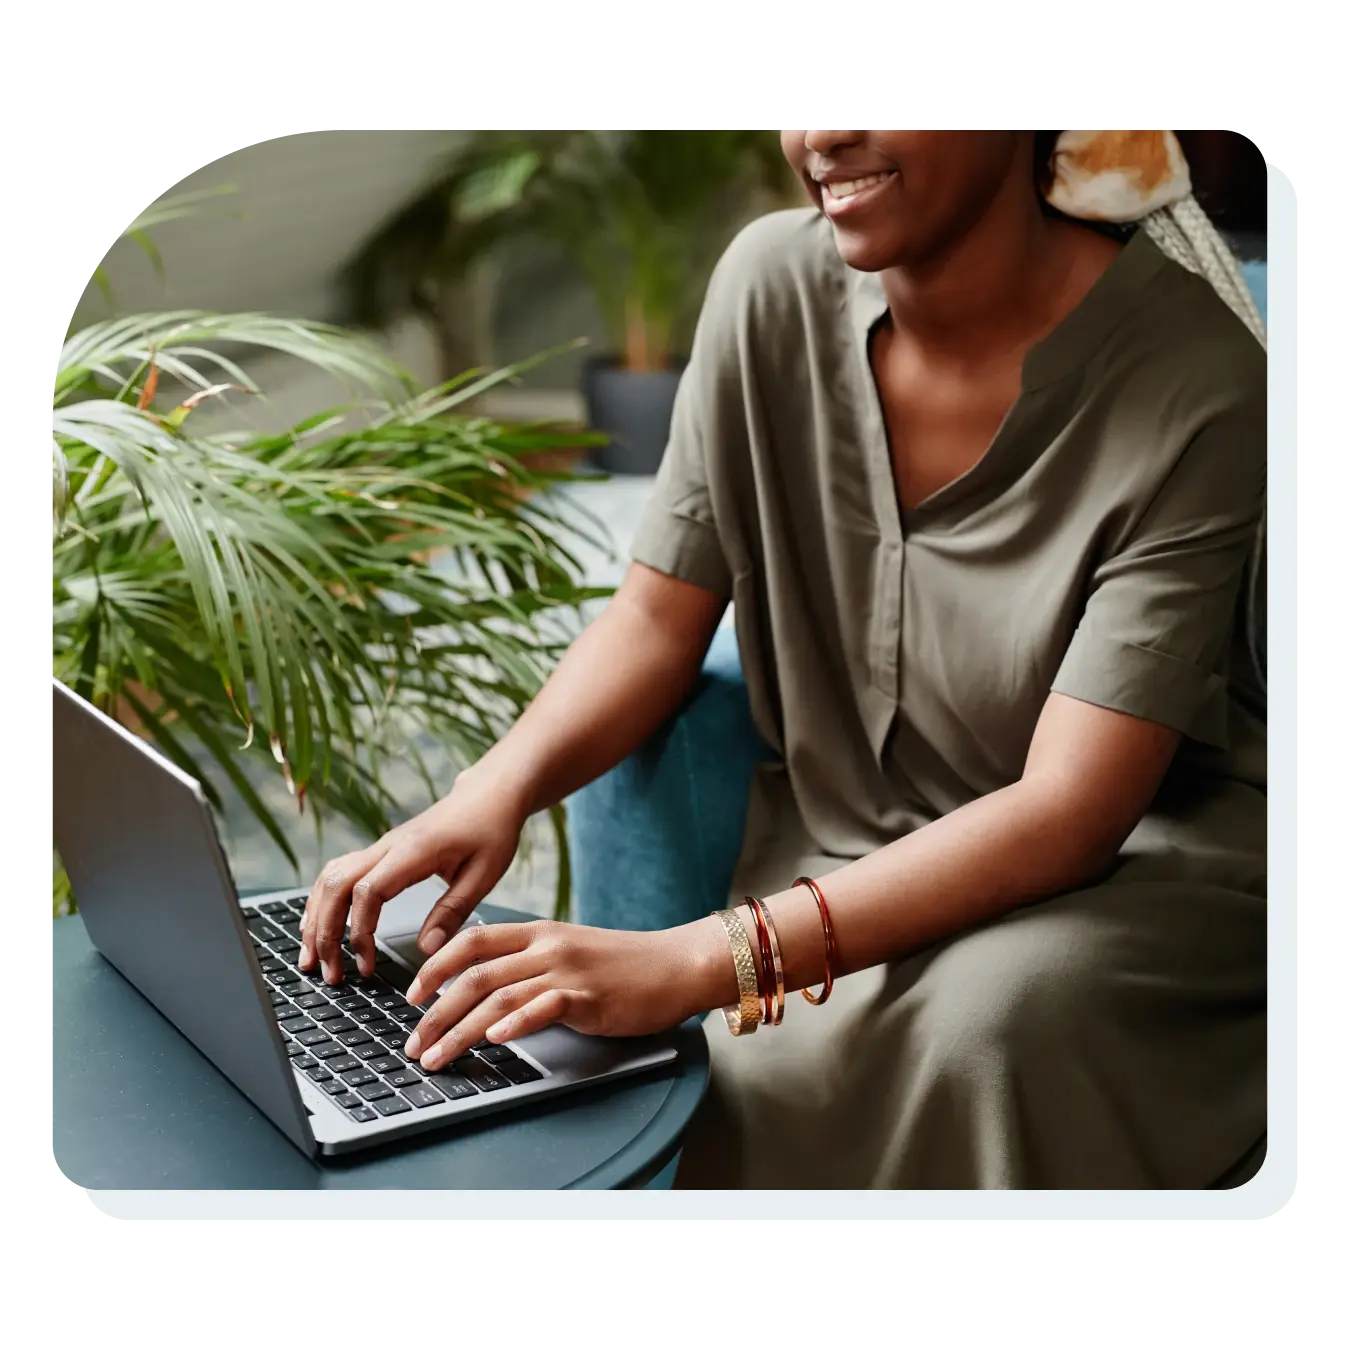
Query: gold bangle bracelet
[{"x": 741, "y": 1019}]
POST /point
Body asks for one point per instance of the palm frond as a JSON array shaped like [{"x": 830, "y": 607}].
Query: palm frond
[{"x": 388, "y": 573}]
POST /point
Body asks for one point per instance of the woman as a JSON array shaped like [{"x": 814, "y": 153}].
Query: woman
[{"x": 982, "y": 482}]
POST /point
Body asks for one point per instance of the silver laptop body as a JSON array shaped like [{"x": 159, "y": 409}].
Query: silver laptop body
[{"x": 153, "y": 887}]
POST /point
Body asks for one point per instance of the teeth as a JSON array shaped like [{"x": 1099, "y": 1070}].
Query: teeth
[{"x": 842, "y": 190}]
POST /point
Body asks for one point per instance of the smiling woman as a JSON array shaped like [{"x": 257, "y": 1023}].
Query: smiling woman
[{"x": 983, "y": 482}]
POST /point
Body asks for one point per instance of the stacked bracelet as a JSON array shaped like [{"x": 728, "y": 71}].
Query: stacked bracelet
[
  {"x": 772, "y": 994},
  {"x": 761, "y": 989},
  {"x": 831, "y": 958},
  {"x": 743, "y": 1017}
]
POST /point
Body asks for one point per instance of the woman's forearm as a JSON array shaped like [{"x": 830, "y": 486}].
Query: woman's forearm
[
  {"x": 1006, "y": 849},
  {"x": 620, "y": 680}
]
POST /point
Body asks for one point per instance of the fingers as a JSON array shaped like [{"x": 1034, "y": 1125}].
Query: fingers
[
  {"x": 472, "y": 988},
  {"x": 409, "y": 861},
  {"x": 447, "y": 915},
  {"x": 549, "y": 1007},
  {"x": 326, "y": 909},
  {"x": 499, "y": 1005},
  {"x": 482, "y": 942}
]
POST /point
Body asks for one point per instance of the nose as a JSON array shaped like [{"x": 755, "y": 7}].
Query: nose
[{"x": 829, "y": 143}]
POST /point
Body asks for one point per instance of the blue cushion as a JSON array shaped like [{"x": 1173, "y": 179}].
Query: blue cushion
[
  {"x": 1255, "y": 275},
  {"x": 655, "y": 841}
]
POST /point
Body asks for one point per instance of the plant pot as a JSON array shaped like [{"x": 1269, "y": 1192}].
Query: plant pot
[{"x": 633, "y": 408}]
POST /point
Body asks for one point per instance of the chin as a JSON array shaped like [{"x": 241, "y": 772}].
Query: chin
[{"x": 865, "y": 251}]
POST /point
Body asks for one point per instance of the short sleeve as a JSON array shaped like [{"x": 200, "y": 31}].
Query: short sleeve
[
  {"x": 1155, "y": 634},
  {"x": 681, "y": 533},
  {"x": 677, "y": 534}
]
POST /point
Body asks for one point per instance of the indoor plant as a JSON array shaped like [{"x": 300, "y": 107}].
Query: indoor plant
[
  {"x": 233, "y": 594},
  {"x": 641, "y": 215}
]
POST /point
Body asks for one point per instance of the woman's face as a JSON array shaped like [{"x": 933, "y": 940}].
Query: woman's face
[{"x": 898, "y": 198}]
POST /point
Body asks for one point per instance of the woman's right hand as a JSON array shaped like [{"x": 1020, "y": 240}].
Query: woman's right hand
[{"x": 468, "y": 839}]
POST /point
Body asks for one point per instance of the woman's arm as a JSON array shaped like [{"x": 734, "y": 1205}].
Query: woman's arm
[
  {"x": 619, "y": 681},
  {"x": 1089, "y": 777}
]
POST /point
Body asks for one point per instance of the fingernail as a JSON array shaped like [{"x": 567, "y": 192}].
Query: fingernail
[
  {"x": 328, "y": 971},
  {"x": 414, "y": 993},
  {"x": 434, "y": 940},
  {"x": 304, "y": 954},
  {"x": 497, "y": 1032},
  {"x": 414, "y": 1046},
  {"x": 433, "y": 1059}
]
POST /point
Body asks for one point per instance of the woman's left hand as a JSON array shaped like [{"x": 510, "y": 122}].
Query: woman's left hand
[{"x": 517, "y": 978}]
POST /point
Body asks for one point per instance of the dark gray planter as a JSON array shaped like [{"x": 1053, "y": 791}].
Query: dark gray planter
[{"x": 633, "y": 408}]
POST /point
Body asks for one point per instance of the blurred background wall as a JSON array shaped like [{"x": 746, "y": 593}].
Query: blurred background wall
[{"x": 301, "y": 206}]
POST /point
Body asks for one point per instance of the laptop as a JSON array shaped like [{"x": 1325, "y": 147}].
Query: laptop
[{"x": 325, "y": 1065}]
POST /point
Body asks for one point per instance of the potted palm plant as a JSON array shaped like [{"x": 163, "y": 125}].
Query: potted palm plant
[
  {"x": 641, "y": 216},
  {"x": 264, "y": 602}
]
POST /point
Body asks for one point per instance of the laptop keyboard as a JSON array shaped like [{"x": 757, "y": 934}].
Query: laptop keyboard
[{"x": 349, "y": 1038}]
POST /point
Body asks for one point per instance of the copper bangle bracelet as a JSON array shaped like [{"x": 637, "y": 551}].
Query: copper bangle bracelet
[
  {"x": 830, "y": 956},
  {"x": 771, "y": 962}
]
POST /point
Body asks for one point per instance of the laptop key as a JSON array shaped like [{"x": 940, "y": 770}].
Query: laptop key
[
  {"x": 518, "y": 1071},
  {"x": 284, "y": 977},
  {"x": 395, "y": 976},
  {"x": 349, "y": 1002},
  {"x": 275, "y": 907},
  {"x": 453, "y": 1085},
  {"x": 410, "y": 1017},
  {"x": 485, "y": 1078},
  {"x": 387, "y": 1063},
  {"x": 304, "y": 987},
  {"x": 271, "y": 966},
  {"x": 286, "y": 950},
  {"x": 404, "y": 1076},
  {"x": 359, "y": 1077},
  {"x": 277, "y": 998},
  {"x": 389, "y": 1002},
  {"x": 314, "y": 1036},
  {"x": 294, "y": 1051},
  {"x": 342, "y": 1024},
  {"x": 318, "y": 1074},
  {"x": 341, "y": 1063},
  {"x": 422, "y": 1094},
  {"x": 306, "y": 1062},
  {"x": 361, "y": 1113},
  {"x": 370, "y": 1050},
  {"x": 372, "y": 1092},
  {"x": 494, "y": 1054},
  {"x": 311, "y": 1001},
  {"x": 392, "y": 1106},
  {"x": 358, "y": 1036},
  {"x": 349, "y": 1101},
  {"x": 368, "y": 1013},
  {"x": 328, "y": 1015},
  {"x": 334, "y": 1087},
  {"x": 328, "y": 1050}
]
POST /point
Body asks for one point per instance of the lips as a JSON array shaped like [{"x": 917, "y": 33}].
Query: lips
[
  {"x": 842, "y": 197},
  {"x": 843, "y": 190}
]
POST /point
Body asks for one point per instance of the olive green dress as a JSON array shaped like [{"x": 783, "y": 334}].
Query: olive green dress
[{"x": 897, "y": 662}]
